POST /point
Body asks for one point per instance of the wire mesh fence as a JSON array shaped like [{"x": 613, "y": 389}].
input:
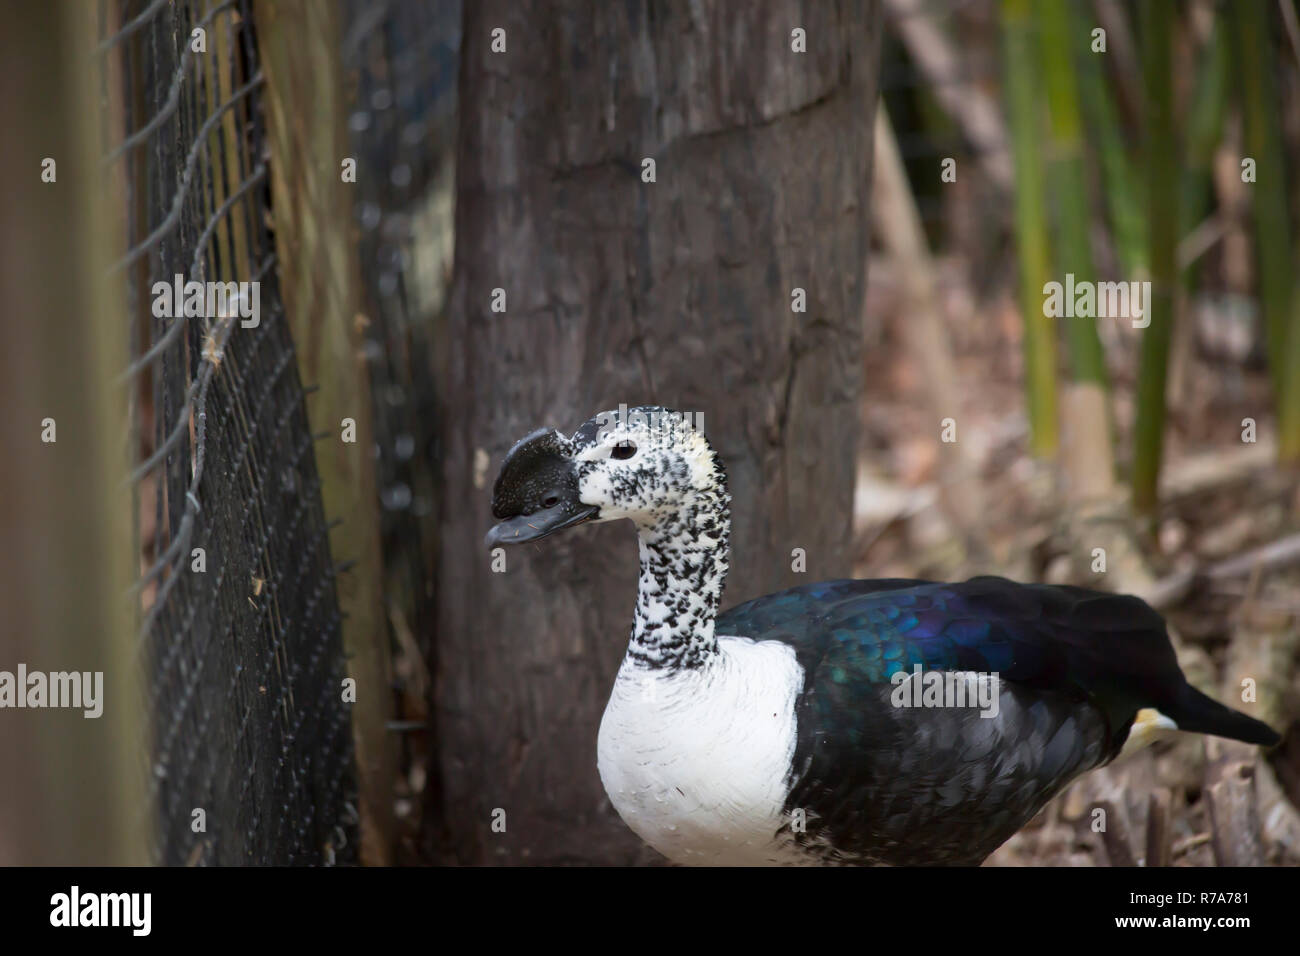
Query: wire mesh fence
[{"x": 251, "y": 757}]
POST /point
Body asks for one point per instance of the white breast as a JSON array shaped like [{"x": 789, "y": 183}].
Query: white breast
[{"x": 696, "y": 762}]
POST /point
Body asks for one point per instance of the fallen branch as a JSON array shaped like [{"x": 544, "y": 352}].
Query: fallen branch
[
  {"x": 1171, "y": 590},
  {"x": 1223, "y": 466}
]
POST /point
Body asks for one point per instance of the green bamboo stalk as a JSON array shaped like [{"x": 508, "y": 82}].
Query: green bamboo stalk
[
  {"x": 1288, "y": 439},
  {"x": 1066, "y": 174},
  {"x": 1205, "y": 118},
  {"x": 1032, "y": 238},
  {"x": 1162, "y": 208},
  {"x": 1124, "y": 188},
  {"x": 1252, "y": 29}
]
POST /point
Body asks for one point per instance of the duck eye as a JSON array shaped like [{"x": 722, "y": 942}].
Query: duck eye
[
  {"x": 550, "y": 501},
  {"x": 623, "y": 451}
]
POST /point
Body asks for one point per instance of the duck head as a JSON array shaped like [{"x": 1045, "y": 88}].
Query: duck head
[{"x": 647, "y": 464}]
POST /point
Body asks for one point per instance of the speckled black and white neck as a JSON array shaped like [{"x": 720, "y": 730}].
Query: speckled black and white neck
[
  {"x": 676, "y": 494},
  {"x": 683, "y": 566}
]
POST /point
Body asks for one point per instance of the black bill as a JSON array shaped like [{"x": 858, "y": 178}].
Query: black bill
[{"x": 536, "y": 493}]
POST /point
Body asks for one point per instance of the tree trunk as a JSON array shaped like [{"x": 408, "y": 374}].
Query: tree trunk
[{"x": 677, "y": 292}]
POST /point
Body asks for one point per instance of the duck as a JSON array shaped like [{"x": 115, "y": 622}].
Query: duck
[{"x": 846, "y": 722}]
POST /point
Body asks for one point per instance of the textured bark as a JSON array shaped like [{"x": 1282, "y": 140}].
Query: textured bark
[{"x": 676, "y": 292}]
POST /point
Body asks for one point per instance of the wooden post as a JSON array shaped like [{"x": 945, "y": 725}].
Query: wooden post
[
  {"x": 72, "y": 788},
  {"x": 300, "y": 51}
]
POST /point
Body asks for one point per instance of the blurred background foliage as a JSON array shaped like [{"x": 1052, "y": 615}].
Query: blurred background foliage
[{"x": 1146, "y": 141}]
